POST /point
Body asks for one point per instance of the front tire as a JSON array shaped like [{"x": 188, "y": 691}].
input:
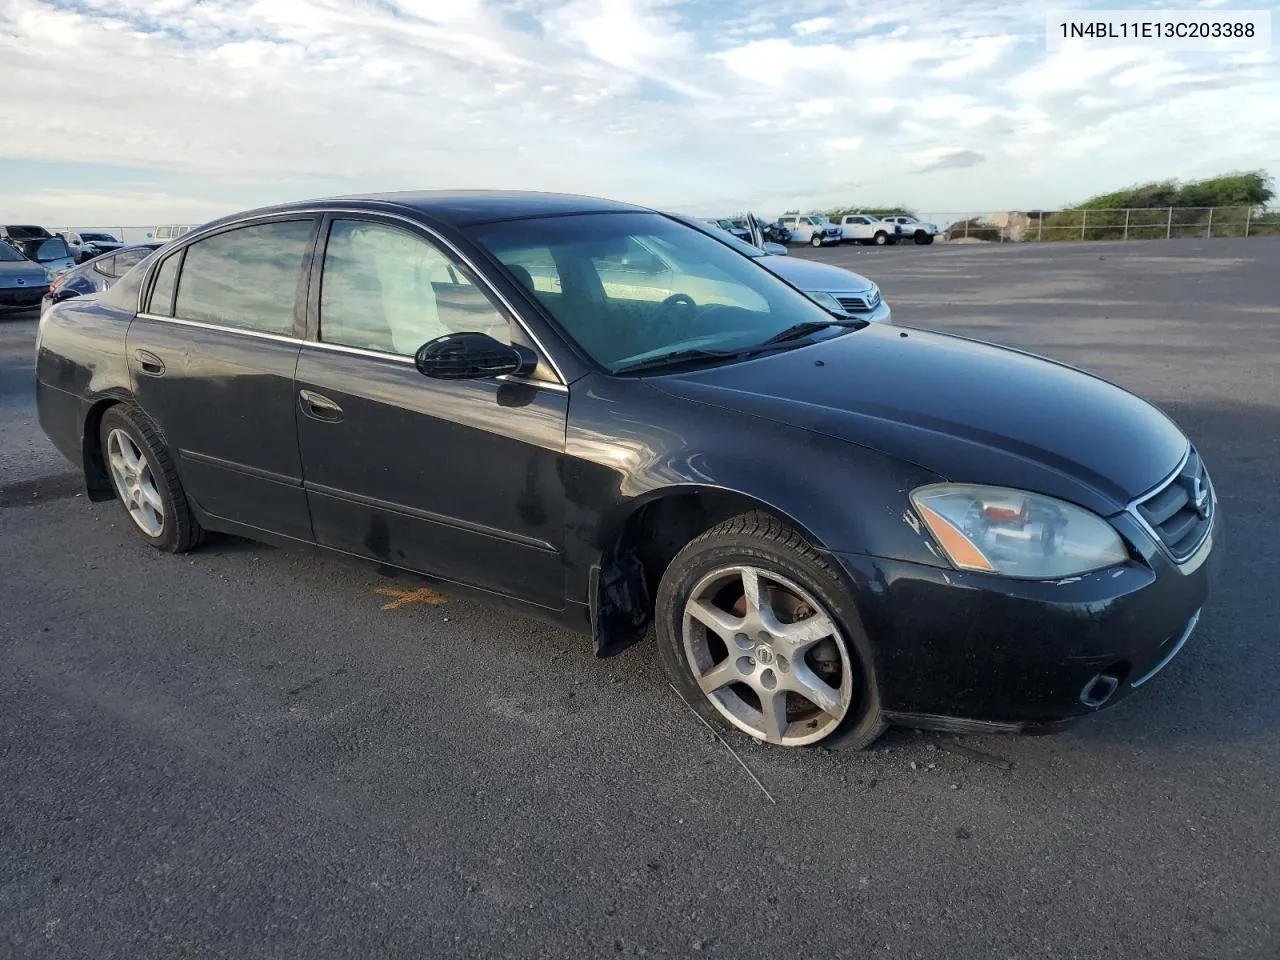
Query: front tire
[
  {"x": 922, "y": 238},
  {"x": 759, "y": 634},
  {"x": 880, "y": 239},
  {"x": 146, "y": 481},
  {"x": 815, "y": 240}
]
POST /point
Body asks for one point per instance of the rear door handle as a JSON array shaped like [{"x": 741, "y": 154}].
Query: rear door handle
[
  {"x": 319, "y": 407},
  {"x": 151, "y": 365}
]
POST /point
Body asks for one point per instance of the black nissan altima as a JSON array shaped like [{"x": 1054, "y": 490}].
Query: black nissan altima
[{"x": 605, "y": 417}]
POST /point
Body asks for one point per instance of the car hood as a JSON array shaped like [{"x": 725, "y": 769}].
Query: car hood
[
  {"x": 964, "y": 410},
  {"x": 811, "y": 276},
  {"x": 32, "y": 275}
]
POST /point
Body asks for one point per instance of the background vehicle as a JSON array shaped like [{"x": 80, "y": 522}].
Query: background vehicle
[
  {"x": 864, "y": 228},
  {"x": 833, "y": 288},
  {"x": 97, "y": 274},
  {"x": 734, "y": 227},
  {"x": 22, "y": 282},
  {"x": 775, "y": 232},
  {"x": 812, "y": 229},
  {"x": 917, "y": 230},
  {"x": 38, "y": 244},
  {"x": 87, "y": 244}
]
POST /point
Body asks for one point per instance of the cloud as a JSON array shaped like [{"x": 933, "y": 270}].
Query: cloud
[
  {"x": 950, "y": 158},
  {"x": 813, "y": 25},
  {"x": 197, "y": 104}
]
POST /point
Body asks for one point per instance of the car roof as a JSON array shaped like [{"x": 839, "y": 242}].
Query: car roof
[{"x": 460, "y": 208}]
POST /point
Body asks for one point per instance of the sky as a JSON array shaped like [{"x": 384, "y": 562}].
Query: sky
[{"x": 136, "y": 112}]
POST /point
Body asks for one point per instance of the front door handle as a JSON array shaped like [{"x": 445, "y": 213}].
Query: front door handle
[
  {"x": 151, "y": 365},
  {"x": 319, "y": 407}
]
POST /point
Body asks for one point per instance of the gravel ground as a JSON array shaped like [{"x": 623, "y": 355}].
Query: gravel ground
[{"x": 252, "y": 752}]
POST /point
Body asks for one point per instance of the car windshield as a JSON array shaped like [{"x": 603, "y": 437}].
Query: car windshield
[
  {"x": 8, "y": 254},
  {"x": 631, "y": 287}
]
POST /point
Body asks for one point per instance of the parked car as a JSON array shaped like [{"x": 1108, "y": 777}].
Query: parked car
[
  {"x": 833, "y": 288},
  {"x": 731, "y": 227},
  {"x": 19, "y": 234},
  {"x": 85, "y": 245},
  {"x": 917, "y": 230},
  {"x": 97, "y": 274},
  {"x": 830, "y": 525},
  {"x": 812, "y": 229},
  {"x": 22, "y": 281},
  {"x": 865, "y": 228},
  {"x": 38, "y": 244}
]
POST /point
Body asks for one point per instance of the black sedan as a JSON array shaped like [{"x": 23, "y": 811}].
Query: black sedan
[{"x": 611, "y": 419}]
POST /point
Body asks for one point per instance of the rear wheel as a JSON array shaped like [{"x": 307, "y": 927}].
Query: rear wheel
[
  {"x": 758, "y": 633},
  {"x": 146, "y": 481}
]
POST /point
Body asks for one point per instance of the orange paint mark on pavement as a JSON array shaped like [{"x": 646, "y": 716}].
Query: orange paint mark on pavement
[{"x": 402, "y": 598}]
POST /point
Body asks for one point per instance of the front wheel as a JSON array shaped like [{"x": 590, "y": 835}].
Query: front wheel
[
  {"x": 923, "y": 238},
  {"x": 758, "y": 633},
  {"x": 815, "y": 240},
  {"x": 880, "y": 239}
]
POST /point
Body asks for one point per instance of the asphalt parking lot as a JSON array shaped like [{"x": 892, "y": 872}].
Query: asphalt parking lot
[{"x": 250, "y": 752}]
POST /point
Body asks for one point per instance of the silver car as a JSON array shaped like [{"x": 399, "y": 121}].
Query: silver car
[{"x": 23, "y": 282}]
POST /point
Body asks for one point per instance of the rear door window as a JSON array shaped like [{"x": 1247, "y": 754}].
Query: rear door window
[{"x": 245, "y": 278}]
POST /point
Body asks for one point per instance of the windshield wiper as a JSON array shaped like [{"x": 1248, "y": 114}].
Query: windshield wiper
[
  {"x": 800, "y": 330},
  {"x": 680, "y": 356}
]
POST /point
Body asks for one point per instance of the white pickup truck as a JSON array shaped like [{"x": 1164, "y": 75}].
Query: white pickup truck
[
  {"x": 865, "y": 228},
  {"x": 917, "y": 230}
]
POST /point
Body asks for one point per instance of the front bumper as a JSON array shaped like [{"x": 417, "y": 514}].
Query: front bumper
[
  {"x": 969, "y": 651},
  {"x": 22, "y": 298}
]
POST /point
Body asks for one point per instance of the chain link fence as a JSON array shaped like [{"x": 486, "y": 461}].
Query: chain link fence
[
  {"x": 1161, "y": 223},
  {"x": 985, "y": 226}
]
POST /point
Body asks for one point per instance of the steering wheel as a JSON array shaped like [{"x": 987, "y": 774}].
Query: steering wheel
[{"x": 682, "y": 299}]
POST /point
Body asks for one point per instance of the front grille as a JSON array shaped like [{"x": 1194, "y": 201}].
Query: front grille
[
  {"x": 855, "y": 304},
  {"x": 1181, "y": 511},
  {"x": 21, "y": 296}
]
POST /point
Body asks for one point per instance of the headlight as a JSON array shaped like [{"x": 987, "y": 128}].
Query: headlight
[
  {"x": 826, "y": 301},
  {"x": 1015, "y": 533}
]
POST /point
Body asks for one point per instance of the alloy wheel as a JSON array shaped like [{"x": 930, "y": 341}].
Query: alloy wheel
[
  {"x": 134, "y": 483},
  {"x": 767, "y": 656}
]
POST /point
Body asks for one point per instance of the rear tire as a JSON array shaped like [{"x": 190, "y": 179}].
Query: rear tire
[
  {"x": 146, "y": 481},
  {"x": 791, "y": 667}
]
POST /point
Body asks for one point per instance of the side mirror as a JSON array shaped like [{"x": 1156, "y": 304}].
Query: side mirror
[{"x": 472, "y": 356}]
